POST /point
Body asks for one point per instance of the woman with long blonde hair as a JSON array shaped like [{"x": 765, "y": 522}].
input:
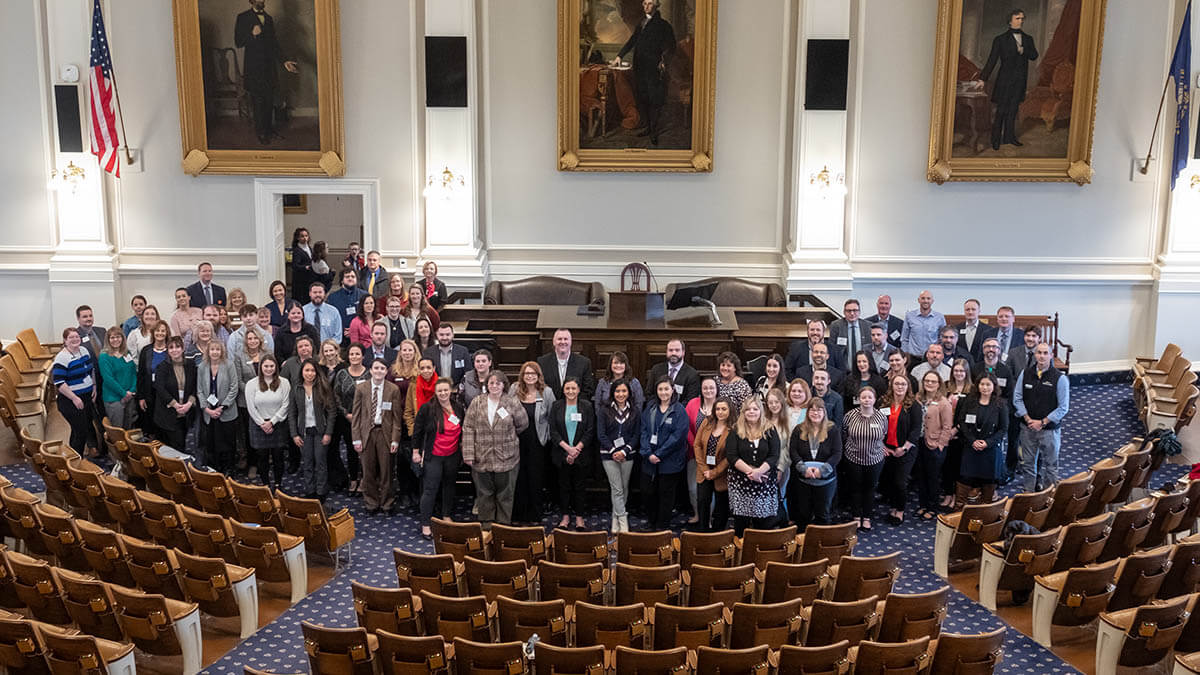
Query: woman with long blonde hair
[
  {"x": 536, "y": 398},
  {"x": 816, "y": 449},
  {"x": 753, "y": 454}
]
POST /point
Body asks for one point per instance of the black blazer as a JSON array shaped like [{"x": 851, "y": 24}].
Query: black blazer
[
  {"x": 687, "y": 377},
  {"x": 302, "y": 274},
  {"x": 578, "y": 365},
  {"x": 166, "y": 389},
  {"x": 1012, "y": 78},
  {"x": 196, "y": 295},
  {"x": 323, "y": 416},
  {"x": 895, "y": 325},
  {"x": 829, "y": 451},
  {"x": 767, "y": 451},
  {"x": 458, "y": 354},
  {"x": 960, "y": 353},
  {"x": 982, "y": 333},
  {"x": 389, "y": 355},
  {"x": 797, "y": 357},
  {"x": 585, "y": 431},
  {"x": 991, "y": 421},
  {"x": 608, "y": 429},
  {"x": 145, "y": 377},
  {"x": 1002, "y": 371},
  {"x": 851, "y": 384},
  {"x": 908, "y": 427},
  {"x": 285, "y": 341},
  {"x": 429, "y": 421},
  {"x": 438, "y": 299}
]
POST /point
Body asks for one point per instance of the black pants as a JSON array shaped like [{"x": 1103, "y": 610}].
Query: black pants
[
  {"x": 951, "y": 466},
  {"x": 1012, "y": 457},
  {"x": 219, "y": 448},
  {"x": 245, "y": 452},
  {"x": 1004, "y": 122},
  {"x": 82, "y": 422},
  {"x": 175, "y": 433},
  {"x": 408, "y": 484},
  {"x": 268, "y": 457},
  {"x": 859, "y": 482},
  {"x": 351, "y": 469},
  {"x": 929, "y": 484},
  {"x": 439, "y": 475},
  {"x": 896, "y": 472},
  {"x": 531, "y": 477},
  {"x": 811, "y": 503},
  {"x": 706, "y": 494},
  {"x": 665, "y": 485},
  {"x": 740, "y": 523},
  {"x": 571, "y": 479},
  {"x": 263, "y": 103}
]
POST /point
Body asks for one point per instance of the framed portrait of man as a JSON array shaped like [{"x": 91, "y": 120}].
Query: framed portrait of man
[
  {"x": 1014, "y": 91},
  {"x": 636, "y": 85},
  {"x": 260, "y": 86}
]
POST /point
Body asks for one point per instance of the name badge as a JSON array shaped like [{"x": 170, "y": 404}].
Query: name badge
[
  {"x": 679, "y": 389},
  {"x": 855, "y": 400},
  {"x": 618, "y": 442},
  {"x": 1002, "y": 381},
  {"x": 885, "y": 411},
  {"x": 453, "y": 419},
  {"x": 711, "y": 460},
  {"x": 932, "y": 403},
  {"x": 181, "y": 395},
  {"x": 895, "y": 335},
  {"x": 152, "y": 376},
  {"x": 842, "y": 342},
  {"x": 874, "y": 426},
  {"x": 85, "y": 338},
  {"x": 212, "y": 399},
  {"x": 349, "y": 311},
  {"x": 129, "y": 358},
  {"x": 969, "y": 419},
  {"x": 433, "y": 294},
  {"x": 667, "y": 421},
  {"x": 1028, "y": 385},
  {"x": 653, "y": 439},
  {"x": 962, "y": 331},
  {"x": 501, "y": 413},
  {"x": 1047, "y": 384},
  {"x": 1004, "y": 357},
  {"x": 387, "y": 405},
  {"x": 459, "y": 364},
  {"x": 249, "y": 362},
  {"x": 576, "y": 417}
]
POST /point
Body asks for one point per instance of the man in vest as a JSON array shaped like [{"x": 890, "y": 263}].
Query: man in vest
[{"x": 1041, "y": 399}]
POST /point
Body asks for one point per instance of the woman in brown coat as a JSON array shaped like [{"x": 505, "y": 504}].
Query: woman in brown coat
[
  {"x": 490, "y": 447},
  {"x": 712, "y": 482},
  {"x": 938, "y": 428}
]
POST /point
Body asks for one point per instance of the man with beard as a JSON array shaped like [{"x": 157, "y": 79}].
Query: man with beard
[
  {"x": 255, "y": 31},
  {"x": 685, "y": 379},
  {"x": 652, "y": 43}
]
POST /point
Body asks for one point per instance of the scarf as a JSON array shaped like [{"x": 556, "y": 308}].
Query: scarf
[
  {"x": 430, "y": 289},
  {"x": 424, "y": 390}
]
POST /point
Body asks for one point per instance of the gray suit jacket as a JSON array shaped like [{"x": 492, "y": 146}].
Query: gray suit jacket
[
  {"x": 840, "y": 330},
  {"x": 541, "y": 411},
  {"x": 226, "y": 392},
  {"x": 1018, "y": 360}
]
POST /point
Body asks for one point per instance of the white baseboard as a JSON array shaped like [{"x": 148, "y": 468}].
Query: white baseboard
[{"x": 1088, "y": 367}]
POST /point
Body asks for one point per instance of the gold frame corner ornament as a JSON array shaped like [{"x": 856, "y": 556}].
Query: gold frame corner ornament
[
  {"x": 1075, "y": 166},
  {"x": 696, "y": 159},
  {"x": 328, "y": 160}
]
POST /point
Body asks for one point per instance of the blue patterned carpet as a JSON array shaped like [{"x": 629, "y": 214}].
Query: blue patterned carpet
[{"x": 1102, "y": 418}]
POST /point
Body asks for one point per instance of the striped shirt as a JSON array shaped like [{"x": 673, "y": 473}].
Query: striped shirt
[
  {"x": 75, "y": 370},
  {"x": 864, "y": 437}
]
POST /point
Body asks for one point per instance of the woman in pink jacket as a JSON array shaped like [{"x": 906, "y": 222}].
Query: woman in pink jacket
[
  {"x": 365, "y": 316},
  {"x": 938, "y": 417}
]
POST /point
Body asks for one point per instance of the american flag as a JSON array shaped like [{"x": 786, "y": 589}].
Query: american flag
[{"x": 103, "y": 127}]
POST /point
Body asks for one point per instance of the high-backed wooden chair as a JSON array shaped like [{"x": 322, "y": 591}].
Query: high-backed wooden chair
[
  {"x": 481, "y": 658},
  {"x": 221, "y": 588},
  {"x": 960, "y": 536},
  {"x": 87, "y": 492},
  {"x": 959, "y": 654},
  {"x": 725, "y": 585},
  {"x": 910, "y": 616},
  {"x": 61, "y": 537},
  {"x": 391, "y": 609},
  {"x": 255, "y": 504},
  {"x": 1071, "y": 495},
  {"x": 438, "y": 574},
  {"x": 757, "y": 660},
  {"x": 647, "y": 585},
  {"x": 209, "y": 535},
  {"x": 90, "y": 606},
  {"x": 22, "y": 519},
  {"x": 1148, "y": 365},
  {"x": 1139, "y": 464},
  {"x": 1072, "y": 598},
  {"x": 1131, "y": 523},
  {"x": 831, "y": 659},
  {"x": 1139, "y": 577},
  {"x": 1169, "y": 510},
  {"x": 121, "y": 500},
  {"x": 275, "y": 557},
  {"x": 1108, "y": 475},
  {"x": 510, "y": 578},
  {"x": 580, "y": 548},
  {"x": 345, "y": 651},
  {"x": 153, "y": 567},
  {"x": 551, "y": 660},
  {"x": 520, "y": 620},
  {"x": 856, "y": 578},
  {"x": 143, "y": 461},
  {"x": 55, "y": 474},
  {"x": 1030, "y": 507},
  {"x": 1140, "y": 637},
  {"x": 688, "y": 627},
  {"x": 612, "y": 627},
  {"x": 105, "y": 553},
  {"x": 530, "y": 544},
  {"x": 1082, "y": 542},
  {"x": 213, "y": 492},
  {"x": 641, "y": 662},
  {"x": 1184, "y": 575},
  {"x": 460, "y": 539},
  {"x": 647, "y": 549},
  {"x": 762, "y": 546},
  {"x": 323, "y": 534},
  {"x": 175, "y": 479},
  {"x": 21, "y": 647},
  {"x": 828, "y": 622},
  {"x": 457, "y": 617},
  {"x": 783, "y": 581},
  {"x": 1191, "y": 518},
  {"x": 161, "y": 626},
  {"x": 77, "y": 653},
  {"x": 38, "y": 587},
  {"x": 573, "y": 583},
  {"x": 1175, "y": 411},
  {"x": 164, "y": 521},
  {"x": 895, "y": 658},
  {"x": 1013, "y": 570},
  {"x": 714, "y": 549},
  {"x": 774, "y": 625},
  {"x": 412, "y": 655}
]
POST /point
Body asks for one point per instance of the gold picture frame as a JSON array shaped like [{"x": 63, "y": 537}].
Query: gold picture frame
[
  {"x": 1055, "y": 115},
  {"x": 295, "y": 204},
  {"x": 207, "y": 53},
  {"x": 686, "y": 120}
]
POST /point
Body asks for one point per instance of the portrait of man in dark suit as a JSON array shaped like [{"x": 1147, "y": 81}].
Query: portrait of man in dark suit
[
  {"x": 652, "y": 44},
  {"x": 1009, "y": 58}
]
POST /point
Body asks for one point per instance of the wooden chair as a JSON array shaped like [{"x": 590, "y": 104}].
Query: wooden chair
[
  {"x": 34, "y": 347},
  {"x": 8, "y": 586},
  {"x": 79, "y": 653},
  {"x": 391, "y": 609},
  {"x": 1169, "y": 510},
  {"x": 1082, "y": 542},
  {"x": 580, "y": 548},
  {"x": 460, "y": 539},
  {"x": 105, "y": 553},
  {"x": 959, "y": 654},
  {"x": 275, "y": 557},
  {"x": 344, "y": 651},
  {"x": 641, "y": 662},
  {"x": 411, "y": 655},
  {"x": 209, "y": 535},
  {"x": 1189, "y": 639},
  {"x": 87, "y": 492},
  {"x": 647, "y": 585},
  {"x": 892, "y": 658},
  {"x": 1186, "y": 663},
  {"x": 89, "y": 605},
  {"x": 255, "y": 504},
  {"x": 754, "y": 660},
  {"x": 774, "y": 625},
  {"x": 910, "y": 616},
  {"x": 480, "y": 658},
  {"x": 153, "y": 567},
  {"x": 121, "y": 500},
  {"x": 1108, "y": 476},
  {"x": 519, "y": 620},
  {"x": 23, "y": 407},
  {"x": 55, "y": 474},
  {"x": 21, "y": 647},
  {"x": 960, "y": 536},
  {"x": 454, "y": 618},
  {"x": 520, "y": 543},
  {"x": 164, "y": 521},
  {"x": 1072, "y": 598},
  {"x": 1175, "y": 411},
  {"x": 1140, "y": 637},
  {"x": 1184, "y": 575},
  {"x": 1139, "y": 577},
  {"x": 1139, "y": 464},
  {"x": 1146, "y": 365},
  {"x": 161, "y": 626},
  {"x": 725, "y": 585},
  {"x": 38, "y": 588},
  {"x": 221, "y": 589},
  {"x": 22, "y": 519},
  {"x": 175, "y": 479},
  {"x": 825, "y": 660},
  {"x": 510, "y": 578},
  {"x": 1130, "y": 526},
  {"x": 143, "y": 461},
  {"x": 611, "y": 627},
  {"x": 688, "y": 627},
  {"x": 29, "y": 361},
  {"x": 783, "y": 581},
  {"x": 61, "y": 537},
  {"x": 324, "y": 535},
  {"x": 828, "y": 622},
  {"x": 1191, "y": 517},
  {"x": 647, "y": 549},
  {"x": 1030, "y": 507},
  {"x": 714, "y": 549},
  {"x": 855, "y": 578},
  {"x": 213, "y": 492},
  {"x": 118, "y": 448},
  {"x": 573, "y": 583},
  {"x": 1070, "y": 497},
  {"x": 763, "y": 546},
  {"x": 551, "y": 660},
  {"x": 439, "y": 574},
  {"x": 1014, "y": 570}
]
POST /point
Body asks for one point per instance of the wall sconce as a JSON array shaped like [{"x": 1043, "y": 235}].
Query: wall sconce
[
  {"x": 828, "y": 182},
  {"x": 1195, "y": 184},
  {"x": 444, "y": 185},
  {"x": 69, "y": 178}
]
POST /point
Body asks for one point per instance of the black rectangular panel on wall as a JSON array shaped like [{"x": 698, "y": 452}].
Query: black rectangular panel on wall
[
  {"x": 828, "y": 70},
  {"x": 66, "y": 103},
  {"x": 445, "y": 72}
]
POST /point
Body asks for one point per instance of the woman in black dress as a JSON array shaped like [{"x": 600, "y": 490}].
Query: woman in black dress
[
  {"x": 531, "y": 391},
  {"x": 174, "y": 395},
  {"x": 982, "y": 421},
  {"x": 753, "y": 453}
]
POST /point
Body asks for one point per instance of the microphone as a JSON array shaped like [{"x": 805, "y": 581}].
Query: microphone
[
  {"x": 712, "y": 307},
  {"x": 650, "y": 276}
]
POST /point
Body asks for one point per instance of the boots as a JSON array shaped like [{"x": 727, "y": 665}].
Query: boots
[{"x": 964, "y": 494}]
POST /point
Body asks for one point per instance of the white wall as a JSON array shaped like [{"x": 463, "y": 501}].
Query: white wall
[{"x": 336, "y": 219}]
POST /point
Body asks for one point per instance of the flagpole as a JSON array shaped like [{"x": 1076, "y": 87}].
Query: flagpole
[
  {"x": 116, "y": 94},
  {"x": 1145, "y": 165}
]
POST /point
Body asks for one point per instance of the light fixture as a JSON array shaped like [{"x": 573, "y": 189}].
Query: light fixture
[
  {"x": 444, "y": 185},
  {"x": 68, "y": 178},
  {"x": 1195, "y": 185},
  {"x": 828, "y": 182}
]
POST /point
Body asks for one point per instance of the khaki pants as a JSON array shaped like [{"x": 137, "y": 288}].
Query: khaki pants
[
  {"x": 377, "y": 470},
  {"x": 494, "y": 495}
]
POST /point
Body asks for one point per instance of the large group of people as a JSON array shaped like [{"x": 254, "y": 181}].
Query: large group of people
[{"x": 363, "y": 389}]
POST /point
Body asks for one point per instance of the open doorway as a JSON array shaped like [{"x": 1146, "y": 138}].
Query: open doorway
[{"x": 333, "y": 221}]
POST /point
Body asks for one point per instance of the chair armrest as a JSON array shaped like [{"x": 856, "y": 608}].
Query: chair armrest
[
  {"x": 339, "y": 516},
  {"x": 687, "y": 578}
]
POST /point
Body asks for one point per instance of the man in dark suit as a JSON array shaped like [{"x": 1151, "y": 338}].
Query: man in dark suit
[
  {"x": 652, "y": 42},
  {"x": 972, "y": 332},
  {"x": 561, "y": 362},
  {"x": 379, "y": 348},
  {"x": 204, "y": 292},
  {"x": 952, "y": 351},
  {"x": 1007, "y": 334},
  {"x": 799, "y": 352},
  {"x": 879, "y": 349},
  {"x": 255, "y": 32},
  {"x": 1021, "y": 356},
  {"x": 848, "y": 336},
  {"x": 820, "y": 356},
  {"x": 448, "y": 358},
  {"x": 374, "y": 278},
  {"x": 883, "y": 314},
  {"x": 1012, "y": 50},
  {"x": 684, "y": 377}
]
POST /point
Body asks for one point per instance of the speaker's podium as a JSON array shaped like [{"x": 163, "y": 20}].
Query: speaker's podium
[{"x": 636, "y": 307}]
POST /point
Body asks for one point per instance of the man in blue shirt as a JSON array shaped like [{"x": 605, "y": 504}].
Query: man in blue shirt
[
  {"x": 1041, "y": 399},
  {"x": 322, "y": 316},
  {"x": 921, "y": 327},
  {"x": 345, "y": 301}
]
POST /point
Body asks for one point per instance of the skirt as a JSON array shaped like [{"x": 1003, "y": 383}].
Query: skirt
[
  {"x": 750, "y": 499},
  {"x": 261, "y": 440}
]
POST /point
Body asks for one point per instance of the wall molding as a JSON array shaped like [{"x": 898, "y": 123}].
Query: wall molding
[{"x": 1088, "y": 367}]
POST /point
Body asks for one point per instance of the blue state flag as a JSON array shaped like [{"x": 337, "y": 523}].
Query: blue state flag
[{"x": 1181, "y": 73}]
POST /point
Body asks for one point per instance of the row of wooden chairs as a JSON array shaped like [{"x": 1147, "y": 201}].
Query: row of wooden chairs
[
  {"x": 354, "y": 651},
  {"x": 1164, "y": 389},
  {"x": 26, "y": 389},
  {"x": 154, "y": 623},
  {"x": 30, "y": 646}
]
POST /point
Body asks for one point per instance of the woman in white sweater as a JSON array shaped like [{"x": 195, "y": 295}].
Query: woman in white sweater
[{"x": 267, "y": 403}]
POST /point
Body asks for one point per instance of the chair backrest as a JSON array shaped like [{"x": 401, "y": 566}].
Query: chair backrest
[
  {"x": 1169, "y": 510},
  {"x": 519, "y": 620},
  {"x": 542, "y": 290},
  {"x": 714, "y": 549},
  {"x": 1130, "y": 526},
  {"x": 1170, "y": 353},
  {"x": 1139, "y": 577},
  {"x": 647, "y": 585},
  {"x": 152, "y": 567},
  {"x": 175, "y": 479},
  {"x": 437, "y": 573},
  {"x": 149, "y": 619},
  {"x": 105, "y": 553},
  {"x": 806, "y": 580},
  {"x": 338, "y": 650},
  {"x": 61, "y": 537},
  {"x": 78, "y": 653},
  {"x": 754, "y": 660},
  {"x": 255, "y": 504},
  {"x": 212, "y": 490},
  {"x": 90, "y": 606},
  {"x": 977, "y": 524},
  {"x": 641, "y": 662},
  {"x": 1138, "y": 467},
  {"x": 458, "y": 539},
  {"x": 260, "y": 548},
  {"x": 1184, "y": 574},
  {"x": 29, "y": 340},
  {"x": 490, "y": 579},
  {"x": 22, "y": 519},
  {"x": 863, "y": 577},
  {"x": 831, "y": 622},
  {"x": 1070, "y": 497},
  {"x": 389, "y": 609},
  {"x": 959, "y": 654},
  {"x": 1085, "y": 593},
  {"x": 1108, "y": 478},
  {"x": 895, "y": 658},
  {"x": 410, "y": 655},
  {"x": 579, "y": 548},
  {"x": 209, "y": 583},
  {"x": 774, "y": 625},
  {"x": 762, "y": 546},
  {"x": 1031, "y": 507},
  {"x": 21, "y": 647},
  {"x": 38, "y": 587},
  {"x": 209, "y": 535},
  {"x": 688, "y": 627},
  {"x": 551, "y": 660},
  {"x": 519, "y": 543},
  {"x": 825, "y": 660},
  {"x": 573, "y": 583},
  {"x": 725, "y": 585},
  {"x": 481, "y": 658},
  {"x": 86, "y": 490},
  {"x": 647, "y": 549},
  {"x": 1154, "y": 630},
  {"x": 456, "y": 617},
  {"x": 1082, "y": 542},
  {"x": 612, "y": 627},
  {"x": 1028, "y": 555},
  {"x": 121, "y": 500},
  {"x": 1193, "y": 509},
  {"x": 164, "y": 520},
  {"x": 910, "y": 616}
]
